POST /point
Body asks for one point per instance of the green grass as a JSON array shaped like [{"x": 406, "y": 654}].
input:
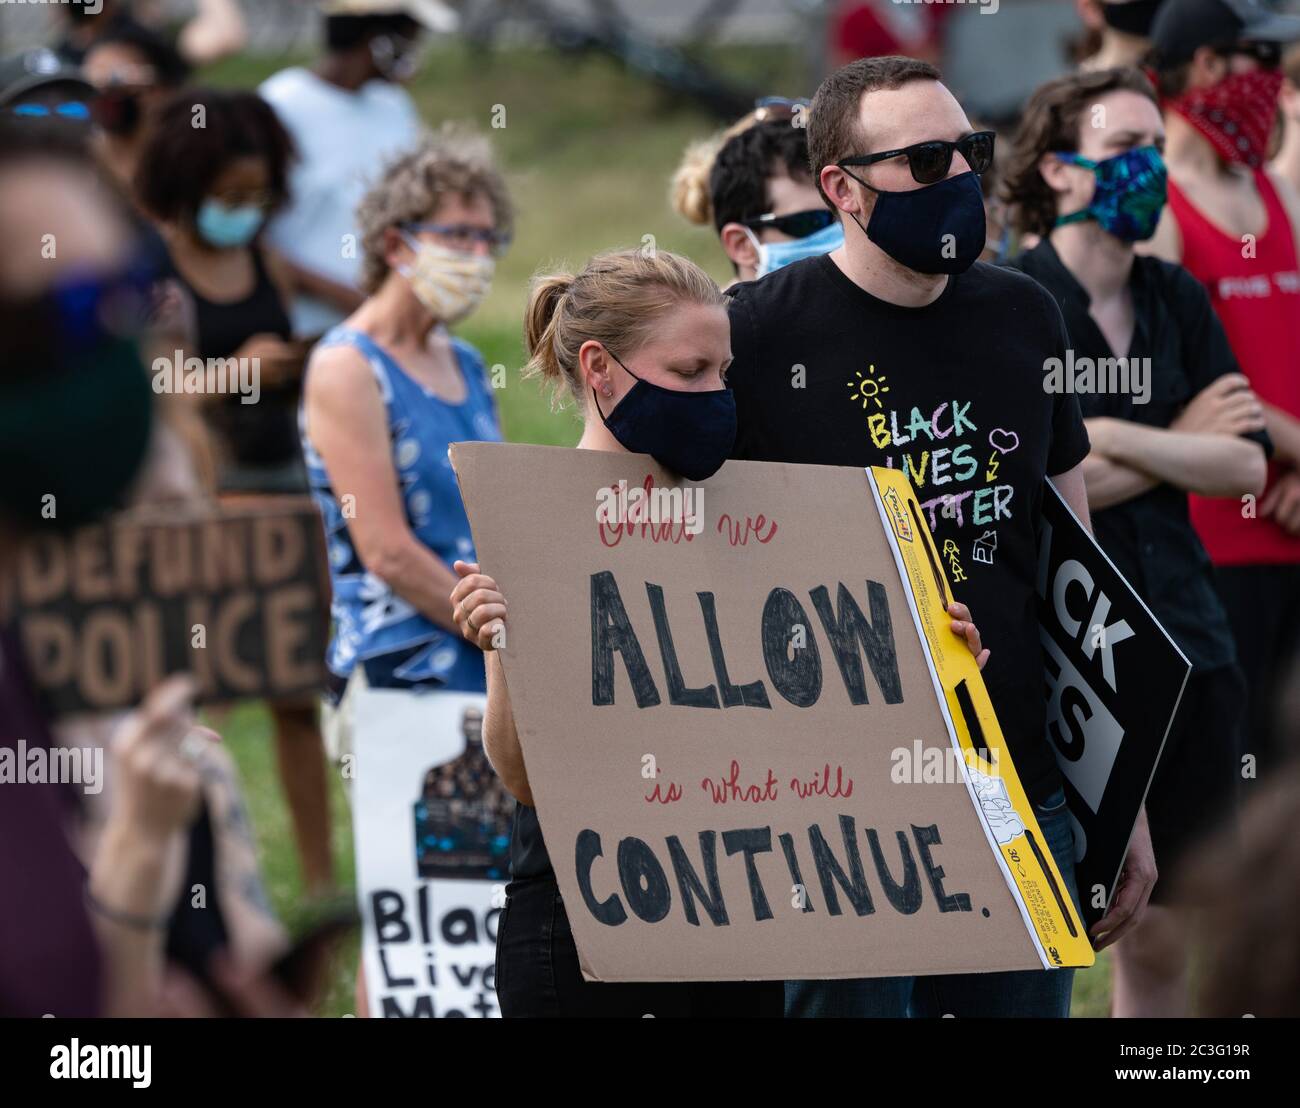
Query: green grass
[
  {"x": 588, "y": 152},
  {"x": 246, "y": 733}
]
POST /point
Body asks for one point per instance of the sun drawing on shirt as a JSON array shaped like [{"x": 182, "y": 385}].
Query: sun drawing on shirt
[{"x": 869, "y": 388}]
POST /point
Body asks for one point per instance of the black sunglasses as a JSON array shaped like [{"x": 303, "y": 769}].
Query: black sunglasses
[
  {"x": 797, "y": 225},
  {"x": 930, "y": 161}
]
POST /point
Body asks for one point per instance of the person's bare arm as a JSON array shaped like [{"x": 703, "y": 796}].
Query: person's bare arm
[
  {"x": 216, "y": 31},
  {"x": 1284, "y": 430},
  {"x": 1225, "y": 409},
  {"x": 1074, "y": 491},
  {"x": 1205, "y": 463},
  {"x": 480, "y": 613},
  {"x": 1109, "y": 482},
  {"x": 139, "y": 861},
  {"x": 347, "y": 427},
  {"x": 280, "y": 272},
  {"x": 1290, "y": 199},
  {"x": 500, "y": 739},
  {"x": 1282, "y": 504},
  {"x": 343, "y": 297}
]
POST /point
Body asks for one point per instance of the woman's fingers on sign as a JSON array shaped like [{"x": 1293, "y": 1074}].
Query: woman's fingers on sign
[{"x": 478, "y": 607}]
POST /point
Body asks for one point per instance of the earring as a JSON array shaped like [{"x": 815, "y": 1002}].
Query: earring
[{"x": 605, "y": 390}]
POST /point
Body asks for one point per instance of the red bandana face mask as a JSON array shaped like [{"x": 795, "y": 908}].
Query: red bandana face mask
[{"x": 1236, "y": 115}]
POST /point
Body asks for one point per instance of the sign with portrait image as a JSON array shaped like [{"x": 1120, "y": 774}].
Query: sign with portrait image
[{"x": 432, "y": 828}]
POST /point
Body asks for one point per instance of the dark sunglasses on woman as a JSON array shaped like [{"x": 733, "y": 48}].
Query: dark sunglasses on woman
[{"x": 930, "y": 161}]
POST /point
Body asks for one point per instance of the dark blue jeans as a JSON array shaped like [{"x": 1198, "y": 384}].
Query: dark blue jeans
[{"x": 1025, "y": 993}]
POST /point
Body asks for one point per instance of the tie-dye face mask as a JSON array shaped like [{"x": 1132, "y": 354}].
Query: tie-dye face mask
[{"x": 1129, "y": 196}]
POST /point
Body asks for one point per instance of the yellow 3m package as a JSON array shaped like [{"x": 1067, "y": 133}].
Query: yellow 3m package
[{"x": 1005, "y": 812}]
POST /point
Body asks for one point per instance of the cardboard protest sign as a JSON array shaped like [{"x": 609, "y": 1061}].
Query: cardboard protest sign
[
  {"x": 1114, "y": 681},
  {"x": 750, "y": 733},
  {"x": 238, "y": 596},
  {"x": 432, "y": 829}
]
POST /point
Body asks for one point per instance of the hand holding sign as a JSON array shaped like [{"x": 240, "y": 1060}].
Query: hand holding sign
[
  {"x": 1136, "y": 880},
  {"x": 966, "y": 629},
  {"x": 477, "y": 605}
]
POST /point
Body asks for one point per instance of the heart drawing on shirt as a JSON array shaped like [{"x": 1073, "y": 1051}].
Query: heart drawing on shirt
[{"x": 1003, "y": 441}]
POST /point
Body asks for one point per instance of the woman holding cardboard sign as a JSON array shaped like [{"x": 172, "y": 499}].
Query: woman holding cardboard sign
[{"x": 642, "y": 344}]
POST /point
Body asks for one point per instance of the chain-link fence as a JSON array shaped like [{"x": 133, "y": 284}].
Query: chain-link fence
[{"x": 283, "y": 26}]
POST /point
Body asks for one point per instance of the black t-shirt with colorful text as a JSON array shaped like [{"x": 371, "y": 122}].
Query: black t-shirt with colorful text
[{"x": 953, "y": 393}]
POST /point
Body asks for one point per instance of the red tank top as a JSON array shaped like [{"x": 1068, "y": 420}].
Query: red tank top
[{"x": 1258, "y": 301}]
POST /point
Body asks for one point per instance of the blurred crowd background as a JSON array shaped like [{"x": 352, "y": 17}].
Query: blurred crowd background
[{"x": 589, "y": 106}]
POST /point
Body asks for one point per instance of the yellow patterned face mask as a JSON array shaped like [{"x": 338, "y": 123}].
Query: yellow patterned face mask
[{"x": 449, "y": 283}]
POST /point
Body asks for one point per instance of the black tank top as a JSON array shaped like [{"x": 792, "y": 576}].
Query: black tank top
[
  {"x": 528, "y": 856},
  {"x": 264, "y": 433}
]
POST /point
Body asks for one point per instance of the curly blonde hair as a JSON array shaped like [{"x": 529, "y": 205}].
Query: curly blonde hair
[
  {"x": 689, "y": 191},
  {"x": 451, "y": 161}
]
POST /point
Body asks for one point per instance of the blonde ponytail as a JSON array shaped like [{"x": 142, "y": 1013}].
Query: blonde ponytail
[{"x": 540, "y": 324}]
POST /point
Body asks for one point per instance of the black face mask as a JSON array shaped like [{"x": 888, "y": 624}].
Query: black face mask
[
  {"x": 1133, "y": 18},
  {"x": 73, "y": 434},
  {"x": 689, "y": 433},
  {"x": 937, "y": 228},
  {"x": 117, "y": 112},
  {"x": 75, "y": 399}
]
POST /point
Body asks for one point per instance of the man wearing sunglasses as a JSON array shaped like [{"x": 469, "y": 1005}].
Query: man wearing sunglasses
[
  {"x": 900, "y": 349},
  {"x": 1233, "y": 223}
]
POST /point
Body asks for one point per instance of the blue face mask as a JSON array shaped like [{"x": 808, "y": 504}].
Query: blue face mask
[
  {"x": 1129, "y": 196},
  {"x": 774, "y": 255},
  {"x": 937, "y": 228},
  {"x": 689, "y": 433},
  {"x": 221, "y": 226}
]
